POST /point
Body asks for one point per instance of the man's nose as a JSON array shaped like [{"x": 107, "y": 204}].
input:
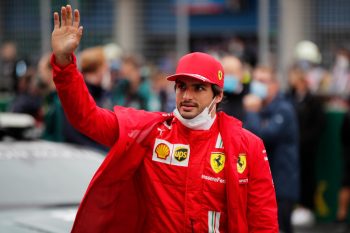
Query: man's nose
[{"x": 187, "y": 94}]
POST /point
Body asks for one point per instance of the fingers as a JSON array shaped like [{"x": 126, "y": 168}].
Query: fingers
[
  {"x": 56, "y": 20},
  {"x": 69, "y": 15},
  {"x": 80, "y": 32},
  {"x": 76, "y": 21},
  {"x": 63, "y": 16}
]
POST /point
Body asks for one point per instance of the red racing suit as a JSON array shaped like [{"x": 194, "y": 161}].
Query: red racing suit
[{"x": 160, "y": 176}]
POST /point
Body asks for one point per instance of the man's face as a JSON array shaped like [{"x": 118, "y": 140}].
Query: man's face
[
  {"x": 265, "y": 77},
  {"x": 233, "y": 66},
  {"x": 262, "y": 76},
  {"x": 192, "y": 96}
]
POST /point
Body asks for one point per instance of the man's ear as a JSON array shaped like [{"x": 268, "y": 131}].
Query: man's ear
[{"x": 219, "y": 97}]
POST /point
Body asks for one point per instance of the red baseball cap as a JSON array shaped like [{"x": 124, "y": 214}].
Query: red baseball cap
[{"x": 199, "y": 66}]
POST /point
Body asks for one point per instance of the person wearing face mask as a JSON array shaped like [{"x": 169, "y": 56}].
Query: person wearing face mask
[
  {"x": 311, "y": 122},
  {"x": 340, "y": 82},
  {"x": 193, "y": 170},
  {"x": 234, "y": 90},
  {"x": 273, "y": 118}
]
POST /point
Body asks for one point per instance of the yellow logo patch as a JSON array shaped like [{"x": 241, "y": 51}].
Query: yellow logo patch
[
  {"x": 217, "y": 161},
  {"x": 181, "y": 153},
  {"x": 162, "y": 150},
  {"x": 241, "y": 163},
  {"x": 219, "y": 74}
]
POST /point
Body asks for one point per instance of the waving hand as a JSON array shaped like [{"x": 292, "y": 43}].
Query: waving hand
[{"x": 66, "y": 35}]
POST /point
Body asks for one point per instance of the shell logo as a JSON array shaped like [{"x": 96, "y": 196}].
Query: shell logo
[{"x": 162, "y": 151}]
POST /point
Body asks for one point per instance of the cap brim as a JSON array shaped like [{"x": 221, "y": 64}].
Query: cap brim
[{"x": 174, "y": 77}]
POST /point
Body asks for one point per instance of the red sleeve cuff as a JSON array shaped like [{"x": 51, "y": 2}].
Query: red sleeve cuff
[
  {"x": 63, "y": 76},
  {"x": 58, "y": 68}
]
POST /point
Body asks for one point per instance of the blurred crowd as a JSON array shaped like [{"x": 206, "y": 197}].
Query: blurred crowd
[
  {"x": 289, "y": 120},
  {"x": 112, "y": 77}
]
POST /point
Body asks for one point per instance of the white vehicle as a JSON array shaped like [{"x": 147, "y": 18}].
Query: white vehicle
[{"x": 42, "y": 184}]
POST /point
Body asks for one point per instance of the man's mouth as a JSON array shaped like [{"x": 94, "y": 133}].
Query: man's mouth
[{"x": 187, "y": 107}]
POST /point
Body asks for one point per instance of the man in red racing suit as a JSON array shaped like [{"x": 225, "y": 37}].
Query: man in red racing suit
[{"x": 194, "y": 170}]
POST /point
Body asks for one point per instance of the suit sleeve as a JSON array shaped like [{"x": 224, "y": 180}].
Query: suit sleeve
[
  {"x": 262, "y": 207},
  {"x": 80, "y": 108}
]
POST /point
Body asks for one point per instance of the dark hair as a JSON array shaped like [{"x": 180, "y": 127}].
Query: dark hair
[
  {"x": 216, "y": 89},
  {"x": 135, "y": 60}
]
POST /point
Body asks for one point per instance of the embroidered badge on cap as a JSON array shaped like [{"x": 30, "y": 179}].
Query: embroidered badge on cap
[
  {"x": 217, "y": 161},
  {"x": 219, "y": 74},
  {"x": 241, "y": 163}
]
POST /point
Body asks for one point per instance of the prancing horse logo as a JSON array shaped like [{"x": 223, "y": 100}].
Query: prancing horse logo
[
  {"x": 217, "y": 161},
  {"x": 241, "y": 163}
]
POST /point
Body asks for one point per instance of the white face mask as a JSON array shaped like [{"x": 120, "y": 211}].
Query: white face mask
[
  {"x": 259, "y": 89},
  {"x": 203, "y": 121}
]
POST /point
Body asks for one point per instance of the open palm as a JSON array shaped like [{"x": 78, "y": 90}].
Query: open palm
[{"x": 67, "y": 33}]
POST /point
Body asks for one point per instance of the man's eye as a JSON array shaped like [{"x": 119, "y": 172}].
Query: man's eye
[
  {"x": 200, "y": 88},
  {"x": 181, "y": 86}
]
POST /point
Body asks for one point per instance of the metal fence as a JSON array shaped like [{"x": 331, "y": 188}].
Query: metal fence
[
  {"x": 29, "y": 24},
  {"x": 330, "y": 26}
]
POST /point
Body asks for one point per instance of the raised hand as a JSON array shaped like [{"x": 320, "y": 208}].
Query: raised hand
[
  {"x": 252, "y": 103},
  {"x": 66, "y": 35}
]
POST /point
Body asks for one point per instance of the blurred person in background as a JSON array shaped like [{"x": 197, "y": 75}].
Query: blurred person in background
[
  {"x": 167, "y": 66},
  {"x": 93, "y": 65},
  {"x": 340, "y": 81},
  {"x": 163, "y": 90},
  {"x": 52, "y": 112},
  {"x": 27, "y": 98},
  {"x": 344, "y": 192},
  {"x": 243, "y": 50},
  {"x": 272, "y": 117},
  {"x": 195, "y": 170},
  {"x": 8, "y": 60},
  {"x": 234, "y": 90},
  {"x": 311, "y": 121},
  {"x": 56, "y": 126},
  {"x": 113, "y": 54},
  {"x": 308, "y": 58},
  {"x": 133, "y": 89},
  {"x": 95, "y": 68}
]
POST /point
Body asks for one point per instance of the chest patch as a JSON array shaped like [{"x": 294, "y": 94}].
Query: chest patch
[
  {"x": 181, "y": 153},
  {"x": 217, "y": 161},
  {"x": 172, "y": 154},
  {"x": 162, "y": 151},
  {"x": 241, "y": 163}
]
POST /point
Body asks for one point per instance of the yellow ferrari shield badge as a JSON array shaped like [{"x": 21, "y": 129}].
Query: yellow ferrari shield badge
[
  {"x": 241, "y": 163},
  {"x": 217, "y": 161},
  {"x": 220, "y": 75}
]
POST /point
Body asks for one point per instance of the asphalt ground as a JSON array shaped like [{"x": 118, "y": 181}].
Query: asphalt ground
[{"x": 323, "y": 228}]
